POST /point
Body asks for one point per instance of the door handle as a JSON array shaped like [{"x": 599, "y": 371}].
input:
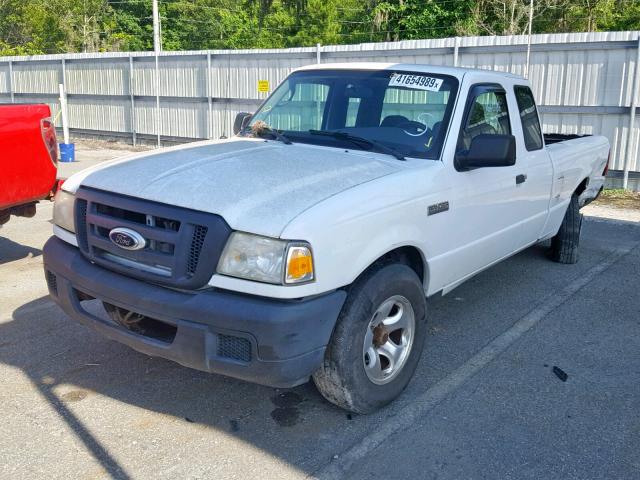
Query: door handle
[{"x": 520, "y": 179}]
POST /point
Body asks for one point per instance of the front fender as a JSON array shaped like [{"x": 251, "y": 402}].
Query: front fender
[{"x": 356, "y": 232}]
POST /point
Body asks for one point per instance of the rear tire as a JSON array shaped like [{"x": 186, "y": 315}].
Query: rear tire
[
  {"x": 564, "y": 246},
  {"x": 358, "y": 373}
]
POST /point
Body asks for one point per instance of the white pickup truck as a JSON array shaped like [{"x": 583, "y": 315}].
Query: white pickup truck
[{"x": 306, "y": 246}]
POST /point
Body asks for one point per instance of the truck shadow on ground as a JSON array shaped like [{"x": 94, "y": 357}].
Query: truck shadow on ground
[
  {"x": 12, "y": 251},
  {"x": 69, "y": 363}
]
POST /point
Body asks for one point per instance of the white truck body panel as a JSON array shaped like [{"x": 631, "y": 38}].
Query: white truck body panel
[{"x": 354, "y": 206}]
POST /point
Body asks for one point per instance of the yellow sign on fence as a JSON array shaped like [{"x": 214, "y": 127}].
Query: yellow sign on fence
[{"x": 263, "y": 85}]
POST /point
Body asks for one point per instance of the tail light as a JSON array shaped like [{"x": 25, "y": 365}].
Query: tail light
[
  {"x": 606, "y": 167},
  {"x": 58, "y": 185},
  {"x": 48, "y": 130}
]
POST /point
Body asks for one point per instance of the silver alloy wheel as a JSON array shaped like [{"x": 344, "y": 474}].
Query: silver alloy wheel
[{"x": 388, "y": 340}]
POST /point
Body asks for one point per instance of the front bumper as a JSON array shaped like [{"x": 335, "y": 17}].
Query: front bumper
[{"x": 279, "y": 343}]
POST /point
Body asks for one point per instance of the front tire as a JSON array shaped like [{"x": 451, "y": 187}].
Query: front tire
[
  {"x": 564, "y": 246},
  {"x": 377, "y": 341}
]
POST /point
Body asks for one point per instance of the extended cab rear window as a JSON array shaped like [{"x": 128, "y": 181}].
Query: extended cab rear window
[
  {"x": 406, "y": 111},
  {"x": 529, "y": 117}
]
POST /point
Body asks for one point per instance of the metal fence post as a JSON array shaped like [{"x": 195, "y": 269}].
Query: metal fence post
[
  {"x": 157, "y": 82},
  {"x": 526, "y": 71},
  {"x": 456, "y": 51},
  {"x": 13, "y": 99},
  {"x": 632, "y": 118},
  {"x": 318, "y": 53},
  {"x": 64, "y": 73},
  {"x": 63, "y": 63},
  {"x": 133, "y": 103},
  {"x": 209, "y": 98},
  {"x": 65, "y": 116}
]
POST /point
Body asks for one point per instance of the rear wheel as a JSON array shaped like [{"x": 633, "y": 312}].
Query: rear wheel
[
  {"x": 564, "y": 246},
  {"x": 377, "y": 342}
]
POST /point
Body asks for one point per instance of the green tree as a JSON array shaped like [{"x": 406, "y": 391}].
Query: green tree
[{"x": 52, "y": 26}]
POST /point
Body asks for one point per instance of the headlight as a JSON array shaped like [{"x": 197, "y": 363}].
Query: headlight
[
  {"x": 63, "y": 210},
  {"x": 266, "y": 259}
]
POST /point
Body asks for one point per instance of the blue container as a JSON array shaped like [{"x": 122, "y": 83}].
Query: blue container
[{"x": 67, "y": 152}]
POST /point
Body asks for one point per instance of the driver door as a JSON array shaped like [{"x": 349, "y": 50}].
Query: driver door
[{"x": 484, "y": 206}]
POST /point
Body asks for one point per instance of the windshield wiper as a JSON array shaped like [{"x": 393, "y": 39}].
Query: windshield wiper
[
  {"x": 359, "y": 140},
  {"x": 273, "y": 132}
]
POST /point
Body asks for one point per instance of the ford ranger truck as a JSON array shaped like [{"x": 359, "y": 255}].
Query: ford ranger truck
[
  {"x": 28, "y": 157},
  {"x": 306, "y": 246}
]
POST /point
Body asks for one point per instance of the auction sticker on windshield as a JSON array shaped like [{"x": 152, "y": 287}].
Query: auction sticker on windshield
[{"x": 418, "y": 82}]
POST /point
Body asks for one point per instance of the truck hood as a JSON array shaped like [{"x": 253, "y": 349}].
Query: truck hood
[{"x": 256, "y": 186}]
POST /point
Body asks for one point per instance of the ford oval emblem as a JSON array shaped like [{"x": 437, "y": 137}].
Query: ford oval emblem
[{"x": 127, "y": 238}]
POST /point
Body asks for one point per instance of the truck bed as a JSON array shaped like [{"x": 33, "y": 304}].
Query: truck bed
[
  {"x": 551, "y": 138},
  {"x": 568, "y": 152}
]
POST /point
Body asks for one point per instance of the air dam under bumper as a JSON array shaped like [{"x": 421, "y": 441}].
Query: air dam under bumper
[{"x": 285, "y": 340}]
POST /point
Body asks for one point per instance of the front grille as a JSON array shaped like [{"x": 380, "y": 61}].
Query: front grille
[
  {"x": 174, "y": 238},
  {"x": 196, "y": 247},
  {"x": 52, "y": 282},
  {"x": 81, "y": 222},
  {"x": 236, "y": 348}
]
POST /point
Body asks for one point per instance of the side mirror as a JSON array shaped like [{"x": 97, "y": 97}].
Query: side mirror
[
  {"x": 241, "y": 121},
  {"x": 488, "y": 151}
]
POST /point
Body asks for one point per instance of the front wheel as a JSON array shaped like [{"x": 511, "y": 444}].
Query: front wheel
[{"x": 377, "y": 342}]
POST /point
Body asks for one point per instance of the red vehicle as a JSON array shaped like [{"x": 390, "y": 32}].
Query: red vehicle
[{"x": 28, "y": 158}]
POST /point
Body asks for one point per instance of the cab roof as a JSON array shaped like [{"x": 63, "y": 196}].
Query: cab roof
[{"x": 408, "y": 67}]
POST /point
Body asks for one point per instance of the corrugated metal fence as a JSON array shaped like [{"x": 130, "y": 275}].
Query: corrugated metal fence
[{"x": 583, "y": 82}]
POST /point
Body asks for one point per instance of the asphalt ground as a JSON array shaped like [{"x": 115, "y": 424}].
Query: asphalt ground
[{"x": 484, "y": 403}]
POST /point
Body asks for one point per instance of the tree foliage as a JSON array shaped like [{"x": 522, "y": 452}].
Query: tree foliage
[{"x": 54, "y": 26}]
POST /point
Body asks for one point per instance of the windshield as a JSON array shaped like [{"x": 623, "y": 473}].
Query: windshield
[{"x": 408, "y": 112}]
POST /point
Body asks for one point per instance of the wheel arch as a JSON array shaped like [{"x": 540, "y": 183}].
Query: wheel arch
[
  {"x": 408, "y": 255},
  {"x": 582, "y": 186}
]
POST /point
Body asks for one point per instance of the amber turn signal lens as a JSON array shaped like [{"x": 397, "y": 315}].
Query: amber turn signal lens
[{"x": 299, "y": 264}]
